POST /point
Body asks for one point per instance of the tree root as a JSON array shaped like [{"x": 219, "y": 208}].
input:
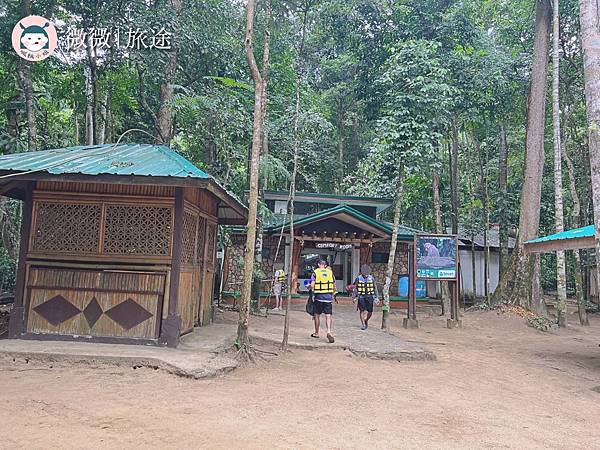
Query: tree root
[{"x": 245, "y": 353}]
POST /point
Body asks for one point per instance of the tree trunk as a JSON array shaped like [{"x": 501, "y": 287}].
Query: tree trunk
[
  {"x": 580, "y": 291},
  {"x": 164, "y": 118},
  {"x": 439, "y": 228},
  {"x": 454, "y": 176},
  {"x": 76, "y": 135},
  {"x": 473, "y": 267},
  {"x": 393, "y": 245},
  {"x": 89, "y": 106},
  {"x": 107, "y": 118},
  {"x": 354, "y": 135},
  {"x": 294, "y": 255},
  {"x": 590, "y": 42},
  {"x": 516, "y": 284},
  {"x": 561, "y": 270},
  {"x": 340, "y": 139},
  {"x": 503, "y": 187},
  {"x": 26, "y": 85},
  {"x": 483, "y": 191},
  {"x": 91, "y": 93},
  {"x": 264, "y": 148},
  {"x": 243, "y": 341},
  {"x": 101, "y": 122}
]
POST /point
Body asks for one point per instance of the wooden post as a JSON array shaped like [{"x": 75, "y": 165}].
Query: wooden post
[
  {"x": 294, "y": 269},
  {"x": 171, "y": 326},
  {"x": 16, "y": 324},
  {"x": 364, "y": 253},
  {"x": 454, "y": 321},
  {"x": 411, "y": 311}
]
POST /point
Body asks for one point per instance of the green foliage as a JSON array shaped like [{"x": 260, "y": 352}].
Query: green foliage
[
  {"x": 382, "y": 81},
  {"x": 7, "y": 273}
]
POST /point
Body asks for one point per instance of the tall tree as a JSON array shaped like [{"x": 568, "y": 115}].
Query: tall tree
[
  {"x": 439, "y": 228},
  {"x": 26, "y": 85},
  {"x": 164, "y": 119},
  {"x": 503, "y": 188},
  {"x": 299, "y": 69},
  {"x": 561, "y": 269},
  {"x": 243, "y": 341},
  {"x": 590, "y": 42},
  {"x": 516, "y": 285}
]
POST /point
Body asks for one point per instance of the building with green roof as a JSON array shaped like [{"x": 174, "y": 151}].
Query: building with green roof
[
  {"x": 345, "y": 230},
  {"x": 118, "y": 242}
]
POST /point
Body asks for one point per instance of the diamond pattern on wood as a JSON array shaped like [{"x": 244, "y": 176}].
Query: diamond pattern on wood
[
  {"x": 57, "y": 310},
  {"x": 66, "y": 227},
  {"x": 92, "y": 312},
  {"x": 128, "y": 314},
  {"x": 138, "y": 230},
  {"x": 188, "y": 243}
]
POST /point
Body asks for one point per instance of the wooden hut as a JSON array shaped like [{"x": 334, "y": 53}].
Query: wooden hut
[{"x": 118, "y": 242}]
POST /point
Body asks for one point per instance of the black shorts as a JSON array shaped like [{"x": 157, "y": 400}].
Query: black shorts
[
  {"x": 322, "y": 308},
  {"x": 365, "y": 303}
]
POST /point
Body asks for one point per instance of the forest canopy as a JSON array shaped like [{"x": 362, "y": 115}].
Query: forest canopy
[{"x": 437, "y": 86}]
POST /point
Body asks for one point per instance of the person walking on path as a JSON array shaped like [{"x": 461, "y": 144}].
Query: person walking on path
[
  {"x": 365, "y": 290},
  {"x": 322, "y": 284},
  {"x": 278, "y": 283}
]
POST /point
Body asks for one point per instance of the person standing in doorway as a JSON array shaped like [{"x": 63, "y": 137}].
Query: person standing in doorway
[
  {"x": 322, "y": 284},
  {"x": 278, "y": 283},
  {"x": 365, "y": 290}
]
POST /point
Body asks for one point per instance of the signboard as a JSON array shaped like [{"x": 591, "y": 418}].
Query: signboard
[
  {"x": 436, "y": 257},
  {"x": 333, "y": 245}
]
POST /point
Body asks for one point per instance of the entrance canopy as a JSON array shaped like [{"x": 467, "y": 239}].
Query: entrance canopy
[
  {"x": 341, "y": 224},
  {"x": 567, "y": 240}
]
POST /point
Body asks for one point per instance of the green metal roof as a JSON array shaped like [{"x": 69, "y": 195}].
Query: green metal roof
[
  {"x": 404, "y": 233},
  {"x": 584, "y": 232},
  {"x": 122, "y": 159},
  {"x": 332, "y": 196}
]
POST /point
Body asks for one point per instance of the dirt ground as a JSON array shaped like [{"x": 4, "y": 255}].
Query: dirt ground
[{"x": 496, "y": 384}]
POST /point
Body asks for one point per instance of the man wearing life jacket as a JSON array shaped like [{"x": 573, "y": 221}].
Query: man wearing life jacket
[
  {"x": 365, "y": 290},
  {"x": 278, "y": 283},
  {"x": 322, "y": 284}
]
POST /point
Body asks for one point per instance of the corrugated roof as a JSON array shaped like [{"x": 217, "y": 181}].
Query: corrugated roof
[
  {"x": 584, "y": 232},
  {"x": 404, "y": 233},
  {"x": 122, "y": 159}
]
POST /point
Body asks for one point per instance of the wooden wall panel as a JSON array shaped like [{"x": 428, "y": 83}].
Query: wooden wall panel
[
  {"x": 105, "y": 188},
  {"x": 188, "y": 298},
  {"x": 94, "y": 302},
  {"x": 109, "y": 228},
  {"x": 203, "y": 200}
]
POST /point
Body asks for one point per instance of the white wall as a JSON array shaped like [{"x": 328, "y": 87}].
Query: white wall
[{"x": 466, "y": 272}]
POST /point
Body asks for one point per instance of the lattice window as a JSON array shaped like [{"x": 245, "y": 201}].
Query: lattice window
[
  {"x": 211, "y": 235},
  {"x": 188, "y": 242},
  {"x": 138, "y": 230},
  {"x": 66, "y": 227},
  {"x": 201, "y": 239}
]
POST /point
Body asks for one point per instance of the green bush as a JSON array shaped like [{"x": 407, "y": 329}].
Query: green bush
[{"x": 7, "y": 273}]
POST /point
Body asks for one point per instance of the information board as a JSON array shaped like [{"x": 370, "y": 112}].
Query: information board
[{"x": 436, "y": 257}]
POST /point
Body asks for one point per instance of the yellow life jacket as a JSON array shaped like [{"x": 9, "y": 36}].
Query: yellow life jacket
[
  {"x": 324, "y": 281},
  {"x": 279, "y": 276},
  {"x": 365, "y": 286}
]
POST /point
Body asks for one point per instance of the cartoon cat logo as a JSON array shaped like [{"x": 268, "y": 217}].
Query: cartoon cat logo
[{"x": 34, "y": 38}]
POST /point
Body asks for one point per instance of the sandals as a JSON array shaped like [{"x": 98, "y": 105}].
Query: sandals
[{"x": 330, "y": 338}]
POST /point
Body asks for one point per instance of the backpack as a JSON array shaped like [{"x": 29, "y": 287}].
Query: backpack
[{"x": 310, "y": 304}]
